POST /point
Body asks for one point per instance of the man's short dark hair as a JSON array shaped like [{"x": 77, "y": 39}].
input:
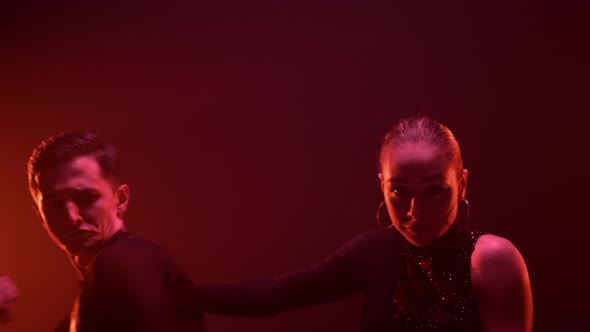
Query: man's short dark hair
[{"x": 66, "y": 147}]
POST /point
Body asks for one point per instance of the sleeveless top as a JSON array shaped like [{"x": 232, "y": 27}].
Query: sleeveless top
[
  {"x": 404, "y": 287},
  {"x": 433, "y": 291}
]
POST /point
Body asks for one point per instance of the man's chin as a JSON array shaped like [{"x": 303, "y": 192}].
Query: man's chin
[
  {"x": 78, "y": 249},
  {"x": 72, "y": 250}
]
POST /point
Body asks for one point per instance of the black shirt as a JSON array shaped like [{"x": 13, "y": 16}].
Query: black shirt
[{"x": 133, "y": 285}]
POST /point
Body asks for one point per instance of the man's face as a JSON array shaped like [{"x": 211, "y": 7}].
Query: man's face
[{"x": 78, "y": 207}]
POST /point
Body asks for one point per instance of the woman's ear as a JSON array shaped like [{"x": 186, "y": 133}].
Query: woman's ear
[
  {"x": 463, "y": 185},
  {"x": 380, "y": 175}
]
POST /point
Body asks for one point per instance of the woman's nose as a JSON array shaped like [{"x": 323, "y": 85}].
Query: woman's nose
[{"x": 414, "y": 211}]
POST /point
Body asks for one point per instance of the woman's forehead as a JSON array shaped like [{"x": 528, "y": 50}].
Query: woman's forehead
[
  {"x": 415, "y": 151},
  {"x": 417, "y": 161}
]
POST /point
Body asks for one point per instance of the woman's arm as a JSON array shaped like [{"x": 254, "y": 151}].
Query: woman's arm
[
  {"x": 340, "y": 274},
  {"x": 501, "y": 286}
]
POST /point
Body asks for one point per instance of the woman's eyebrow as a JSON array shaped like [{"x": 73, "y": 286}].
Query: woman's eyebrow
[
  {"x": 433, "y": 177},
  {"x": 395, "y": 179},
  {"x": 426, "y": 178}
]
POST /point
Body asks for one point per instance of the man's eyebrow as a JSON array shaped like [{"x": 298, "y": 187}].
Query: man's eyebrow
[
  {"x": 85, "y": 190},
  {"x": 69, "y": 191}
]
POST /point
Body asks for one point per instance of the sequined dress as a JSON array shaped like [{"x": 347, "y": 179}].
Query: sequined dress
[
  {"x": 434, "y": 291},
  {"x": 404, "y": 287}
]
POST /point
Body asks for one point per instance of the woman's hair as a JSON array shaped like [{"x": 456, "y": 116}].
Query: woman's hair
[{"x": 422, "y": 129}]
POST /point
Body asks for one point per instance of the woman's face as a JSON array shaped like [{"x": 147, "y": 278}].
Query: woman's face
[{"x": 421, "y": 190}]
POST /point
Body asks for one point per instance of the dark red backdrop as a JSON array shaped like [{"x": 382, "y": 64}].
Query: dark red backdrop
[{"x": 249, "y": 132}]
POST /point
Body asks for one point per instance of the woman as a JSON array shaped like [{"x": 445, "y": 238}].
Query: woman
[{"x": 425, "y": 272}]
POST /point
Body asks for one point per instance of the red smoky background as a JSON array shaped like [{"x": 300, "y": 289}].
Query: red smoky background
[{"x": 248, "y": 132}]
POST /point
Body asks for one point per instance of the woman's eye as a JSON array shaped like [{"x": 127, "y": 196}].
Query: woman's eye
[
  {"x": 434, "y": 190},
  {"x": 397, "y": 191}
]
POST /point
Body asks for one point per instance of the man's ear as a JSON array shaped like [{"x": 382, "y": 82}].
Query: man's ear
[
  {"x": 463, "y": 185},
  {"x": 380, "y": 175},
  {"x": 123, "y": 194}
]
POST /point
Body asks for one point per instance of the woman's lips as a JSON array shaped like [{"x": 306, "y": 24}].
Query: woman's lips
[{"x": 417, "y": 229}]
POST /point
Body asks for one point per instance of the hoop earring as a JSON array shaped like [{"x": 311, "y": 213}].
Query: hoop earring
[
  {"x": 467, "y": 211},
  {"x": 378, "y": 216}
]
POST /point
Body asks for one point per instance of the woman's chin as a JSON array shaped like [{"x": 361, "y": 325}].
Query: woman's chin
[{"x": 419, "y": 240}]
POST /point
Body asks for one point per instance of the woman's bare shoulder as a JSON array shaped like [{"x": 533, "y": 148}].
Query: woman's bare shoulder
[
  {"x": 501, "y": 285},
  {"x": 495, "y": 257}
]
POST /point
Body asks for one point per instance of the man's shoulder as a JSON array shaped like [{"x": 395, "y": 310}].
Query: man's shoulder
[
  {"x": 129, "y": 251},
  {"x": 129, "y": 242}
]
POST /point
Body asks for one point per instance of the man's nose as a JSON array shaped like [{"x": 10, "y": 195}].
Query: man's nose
[{"x": 73, "y": 212}]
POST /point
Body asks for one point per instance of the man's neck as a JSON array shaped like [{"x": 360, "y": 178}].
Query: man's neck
[{"x": 84, "y": 259}]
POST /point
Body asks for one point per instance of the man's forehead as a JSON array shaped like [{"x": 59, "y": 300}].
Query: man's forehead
[
  {"x": 75, "y": 166},
  {"x": 80, "y": 169}
]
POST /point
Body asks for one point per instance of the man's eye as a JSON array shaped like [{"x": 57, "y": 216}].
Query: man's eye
[
  {"x": 86, "y": 199},
  {"x": 52, "y": 203}
]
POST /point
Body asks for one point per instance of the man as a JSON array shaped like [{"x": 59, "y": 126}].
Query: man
[{"x": 128, "y": 284}]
